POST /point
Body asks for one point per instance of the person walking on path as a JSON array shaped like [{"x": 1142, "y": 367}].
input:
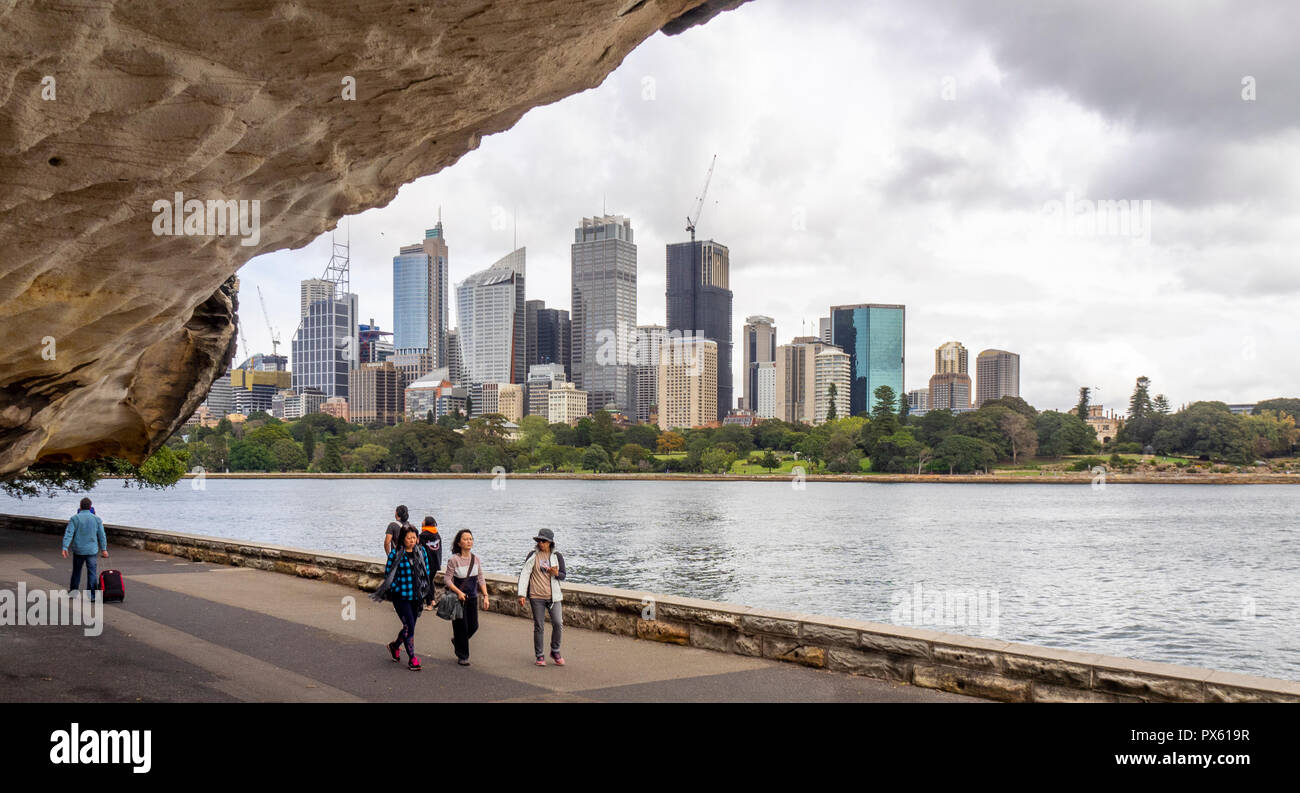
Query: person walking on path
[
  {"x": 431, "y": 541},
  {"x": 409, "y": 584},
  {"x": 464, "y": 576},
  {"x": 539, "y": 585},
  {"x": 85, "y": 535},
  {"x": 393, "y": 534}
]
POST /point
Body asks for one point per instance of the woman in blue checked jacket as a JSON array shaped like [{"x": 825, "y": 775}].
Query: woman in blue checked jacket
[{"x": 408, "y": 582}]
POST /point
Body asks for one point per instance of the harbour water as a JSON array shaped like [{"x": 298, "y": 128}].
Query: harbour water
[{"x": 1203, "y": 575}]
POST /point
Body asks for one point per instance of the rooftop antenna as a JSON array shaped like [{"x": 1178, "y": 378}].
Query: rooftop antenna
[
  {"x": 514, "y": 219},
  {"x": 338, "y": 271},
  {"x": 699, "y": 206}
]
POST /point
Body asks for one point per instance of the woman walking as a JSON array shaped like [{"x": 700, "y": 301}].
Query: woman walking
[
  {"x": 409, "y": 584},
  {"x": 464, "y": 576},
  {"x": 393, "y": 534},
  {"x": 539, "y": 584}
]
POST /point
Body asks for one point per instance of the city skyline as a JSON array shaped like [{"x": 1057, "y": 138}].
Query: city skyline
[{"x": 895, "y": 212}]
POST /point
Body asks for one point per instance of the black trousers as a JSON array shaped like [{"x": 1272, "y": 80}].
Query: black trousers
[
  {"x": 464, "y": 628},
  {"x": 408, "y": 611}
]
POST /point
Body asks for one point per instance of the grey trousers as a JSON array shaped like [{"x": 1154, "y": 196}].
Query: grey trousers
[{"x": 539, "y": 625}]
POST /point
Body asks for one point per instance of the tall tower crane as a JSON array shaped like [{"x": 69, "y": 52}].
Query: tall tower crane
[
  {"x": 699, "y": 206},
  {"x": 275, "y": 337}
]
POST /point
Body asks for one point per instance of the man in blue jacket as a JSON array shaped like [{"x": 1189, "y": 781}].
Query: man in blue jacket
[{"x": 85, "y": 533}]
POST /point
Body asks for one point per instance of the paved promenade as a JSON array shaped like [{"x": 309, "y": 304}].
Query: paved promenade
[{"x": 192, "y": 632}]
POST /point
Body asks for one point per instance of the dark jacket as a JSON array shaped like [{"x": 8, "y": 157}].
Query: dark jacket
[
  {"x": 409, "y": 572},
  {"x": 432, "y": 543}
]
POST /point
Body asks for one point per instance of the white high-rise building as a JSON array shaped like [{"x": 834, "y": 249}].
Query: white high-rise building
[
  {"x": 832, "y": 369},
  {"x": 649, "y": 341},
  {"x": 765, "y": 404},
  {"x": 565, "y": 404},
  {"x": 491, "y": 319},
  {"x": 758, "y": 341}
]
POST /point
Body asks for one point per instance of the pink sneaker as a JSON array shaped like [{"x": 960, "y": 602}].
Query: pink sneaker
[
  {"x": 541, "y": 660},
  {"x": 413, "y": 664},
  {"x": 559, "y": 661}
]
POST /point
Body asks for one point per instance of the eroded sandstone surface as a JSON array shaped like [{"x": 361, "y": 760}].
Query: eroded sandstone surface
[{"x": 110, "y": 334}]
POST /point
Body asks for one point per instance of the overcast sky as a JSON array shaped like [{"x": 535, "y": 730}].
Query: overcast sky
[{"x": 924, "y": 153}]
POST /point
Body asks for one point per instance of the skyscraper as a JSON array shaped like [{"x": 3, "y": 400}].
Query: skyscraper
[
  {"x": 531, "y": 307},
  {"x": 376, "y": 393},
  {"x": 874, "y": 337},
  {"x": 548, "y": 335},
  {"x": 699, "y": 302},
  {"x": 325, "y": 348},
  {"x": 949, "y": 391},
  {"x": 420, "y": 297},
  {"x": 758, "y": 340},
  {"x": 831, "y": 369},
  {"x": 491, "y": 318},
  {"x": 604, "y": 310},
  {"x": 765, "y": 403},
  {"x": 314, "y": 289},
  {"x": 796, "y": 379},
  {"x": 950, "y": 358},
  {"x": 649, "y": 343},
  {"x": 688, "y": 383},
  {"x": 455, "y": 361},
  {"x": 998, "y": 374}
]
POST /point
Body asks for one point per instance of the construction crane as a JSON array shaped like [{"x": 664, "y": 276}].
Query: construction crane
[
  {"x": 243, "y": 341},
  {"x": 699, "y": 206},
  {"x": 275, "y": 337}
]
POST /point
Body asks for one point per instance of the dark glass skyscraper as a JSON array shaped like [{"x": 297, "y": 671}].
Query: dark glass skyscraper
[
  {"x": 699, "y": 302},
  {"x": 873, "y": 336}
]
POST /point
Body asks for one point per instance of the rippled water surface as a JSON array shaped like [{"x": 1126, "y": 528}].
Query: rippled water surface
[{"x": 1204, "y": 575}]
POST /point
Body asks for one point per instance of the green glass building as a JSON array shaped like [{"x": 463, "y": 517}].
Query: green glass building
[{"x": 873, "y": 335}]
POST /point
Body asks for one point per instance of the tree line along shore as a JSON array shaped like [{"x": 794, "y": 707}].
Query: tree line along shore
[{"x": 1005, "y": 439}]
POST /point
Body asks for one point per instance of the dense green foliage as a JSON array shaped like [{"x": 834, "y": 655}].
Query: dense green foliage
[
  {"x": 1007, "y": 430},
  {"x": 1208, "y": 430},
  {"x": 163, "y": 469}
]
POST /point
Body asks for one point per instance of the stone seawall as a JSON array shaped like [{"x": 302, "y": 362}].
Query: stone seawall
[{"x": 947, "y": 661}]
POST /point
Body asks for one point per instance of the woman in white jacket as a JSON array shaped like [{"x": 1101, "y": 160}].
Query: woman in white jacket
[{"x": 539, "y": 587}]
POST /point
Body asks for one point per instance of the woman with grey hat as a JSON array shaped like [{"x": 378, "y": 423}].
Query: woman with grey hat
[{"x": 539, "y": 587}]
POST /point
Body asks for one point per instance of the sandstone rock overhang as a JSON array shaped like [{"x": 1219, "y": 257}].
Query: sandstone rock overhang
[{"x": 111, "y": 334}]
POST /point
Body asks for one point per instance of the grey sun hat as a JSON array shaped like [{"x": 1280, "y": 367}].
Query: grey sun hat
[{"x": 545, "y": 534}]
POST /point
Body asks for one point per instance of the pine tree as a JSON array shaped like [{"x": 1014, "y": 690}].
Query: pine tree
[
  {"x": 831, "y": 413},
  {"x": 1160, "y": 404},
  {"x": 1139, "y": 405},
  {"x": 1085, "y": 402}
]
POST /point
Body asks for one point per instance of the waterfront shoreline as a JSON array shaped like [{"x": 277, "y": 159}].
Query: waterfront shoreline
[
  {"x": 1081, "y": 478},
  {"x": 921, "y": 657}
]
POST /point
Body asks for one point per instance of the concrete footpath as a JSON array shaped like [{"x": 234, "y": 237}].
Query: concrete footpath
[{"x": 194, "y": 632}]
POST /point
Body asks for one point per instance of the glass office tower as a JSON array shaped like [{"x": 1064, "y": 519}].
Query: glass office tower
[
  {"x": 873, "y": 336},
  {"x": 491, "y": 318},
  {"x": 603, "y": 310},
  {"x": 699, "y": 303}
]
